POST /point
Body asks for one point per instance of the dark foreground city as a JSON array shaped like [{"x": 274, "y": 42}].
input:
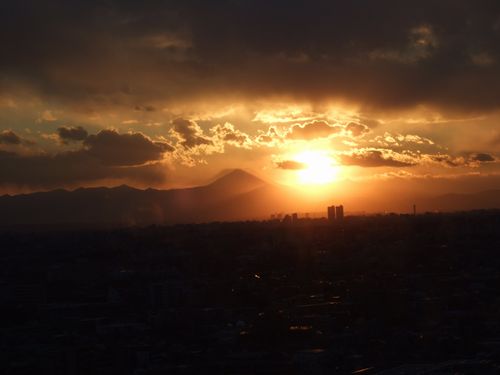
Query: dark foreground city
[{"x": 367, "y": 295}]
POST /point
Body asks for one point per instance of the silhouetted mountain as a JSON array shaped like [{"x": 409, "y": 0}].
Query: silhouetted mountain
[
  {"x": 265, "y": 200},
  {"x": 234, "y": 195},
  {"x": 463, "y": 202},
  {"x": 124, "y": 205},
  {"x": 237, "y": 181}
]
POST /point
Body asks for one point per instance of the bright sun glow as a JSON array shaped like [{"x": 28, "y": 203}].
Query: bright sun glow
[{"x": 319, "y": 168}]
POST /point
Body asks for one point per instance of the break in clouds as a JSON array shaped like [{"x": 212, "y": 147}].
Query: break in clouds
[{"x": 137, "y": 158}]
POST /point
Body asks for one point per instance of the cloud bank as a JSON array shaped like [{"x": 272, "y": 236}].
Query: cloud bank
[{"x": 387, "y": 54}]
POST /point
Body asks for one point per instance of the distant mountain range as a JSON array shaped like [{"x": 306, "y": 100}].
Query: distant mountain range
[
  {"x": 235, "y": 195},
  {"x": 463, "y": 202}
]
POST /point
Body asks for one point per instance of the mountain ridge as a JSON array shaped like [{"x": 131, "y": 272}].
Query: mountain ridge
[
  {"x": 236, "y": 195},
  {"x": 126, "y": 205}
]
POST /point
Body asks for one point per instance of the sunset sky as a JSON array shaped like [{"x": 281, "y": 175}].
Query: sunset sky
[{"x": 312, "y": 94}]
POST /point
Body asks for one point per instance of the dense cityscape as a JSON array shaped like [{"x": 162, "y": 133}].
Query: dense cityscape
[{"x": 382, "y": 294}]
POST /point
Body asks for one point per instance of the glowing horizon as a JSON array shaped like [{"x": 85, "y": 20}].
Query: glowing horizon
[{"x": 346, "y": 108}]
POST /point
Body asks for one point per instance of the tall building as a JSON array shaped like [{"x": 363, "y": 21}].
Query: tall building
[
  {"x": 339, "y": 212},
  {"x": 331, "y": 213},
  {"x": 295, "y": 218}
]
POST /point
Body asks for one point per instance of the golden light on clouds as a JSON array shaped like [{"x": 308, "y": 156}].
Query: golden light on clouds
[
  {"x": 388, "y": 98},
  {"x": 284, "y": 112}
]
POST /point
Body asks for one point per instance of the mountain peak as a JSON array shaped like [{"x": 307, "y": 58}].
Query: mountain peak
[
  {"x": 237, "y": 180},
  {"x": 124, "y": 187}
]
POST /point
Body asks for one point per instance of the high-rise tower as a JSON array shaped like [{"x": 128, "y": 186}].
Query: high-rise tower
[
  {"x": 339, "y": 212},
  {"x": 331, "y": 213}
]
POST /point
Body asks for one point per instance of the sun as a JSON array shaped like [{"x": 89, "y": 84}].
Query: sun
[{"x": 319, "y": 168}]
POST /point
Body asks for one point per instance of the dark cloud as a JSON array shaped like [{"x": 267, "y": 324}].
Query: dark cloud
[
  {"x": 112, "y": 148},
  {"x": 189, "y": 133},
  {"x": 447, "y": 160},
  {"x": 375, "y": 158},
  {"x": 290, "y": 164},
  {"x": 312, "y": 130},
  {"x": 235, "y": 138},
  {"x": 228, "y": 134},
  {"x": 481, "y": 157},
  {"x": 386, "y": 53},
  {"x": 466, "y": 160},
  {"x": 356, "y": 130},
  {"x": 145, "y": 108},
  {"x": 107, "y": 155},
  {"x": 70, "y": 169},
  {"x": 269, "y": 137},
  {"x": 8, "y": 137},
  {"x": 72, "y": 133}
]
